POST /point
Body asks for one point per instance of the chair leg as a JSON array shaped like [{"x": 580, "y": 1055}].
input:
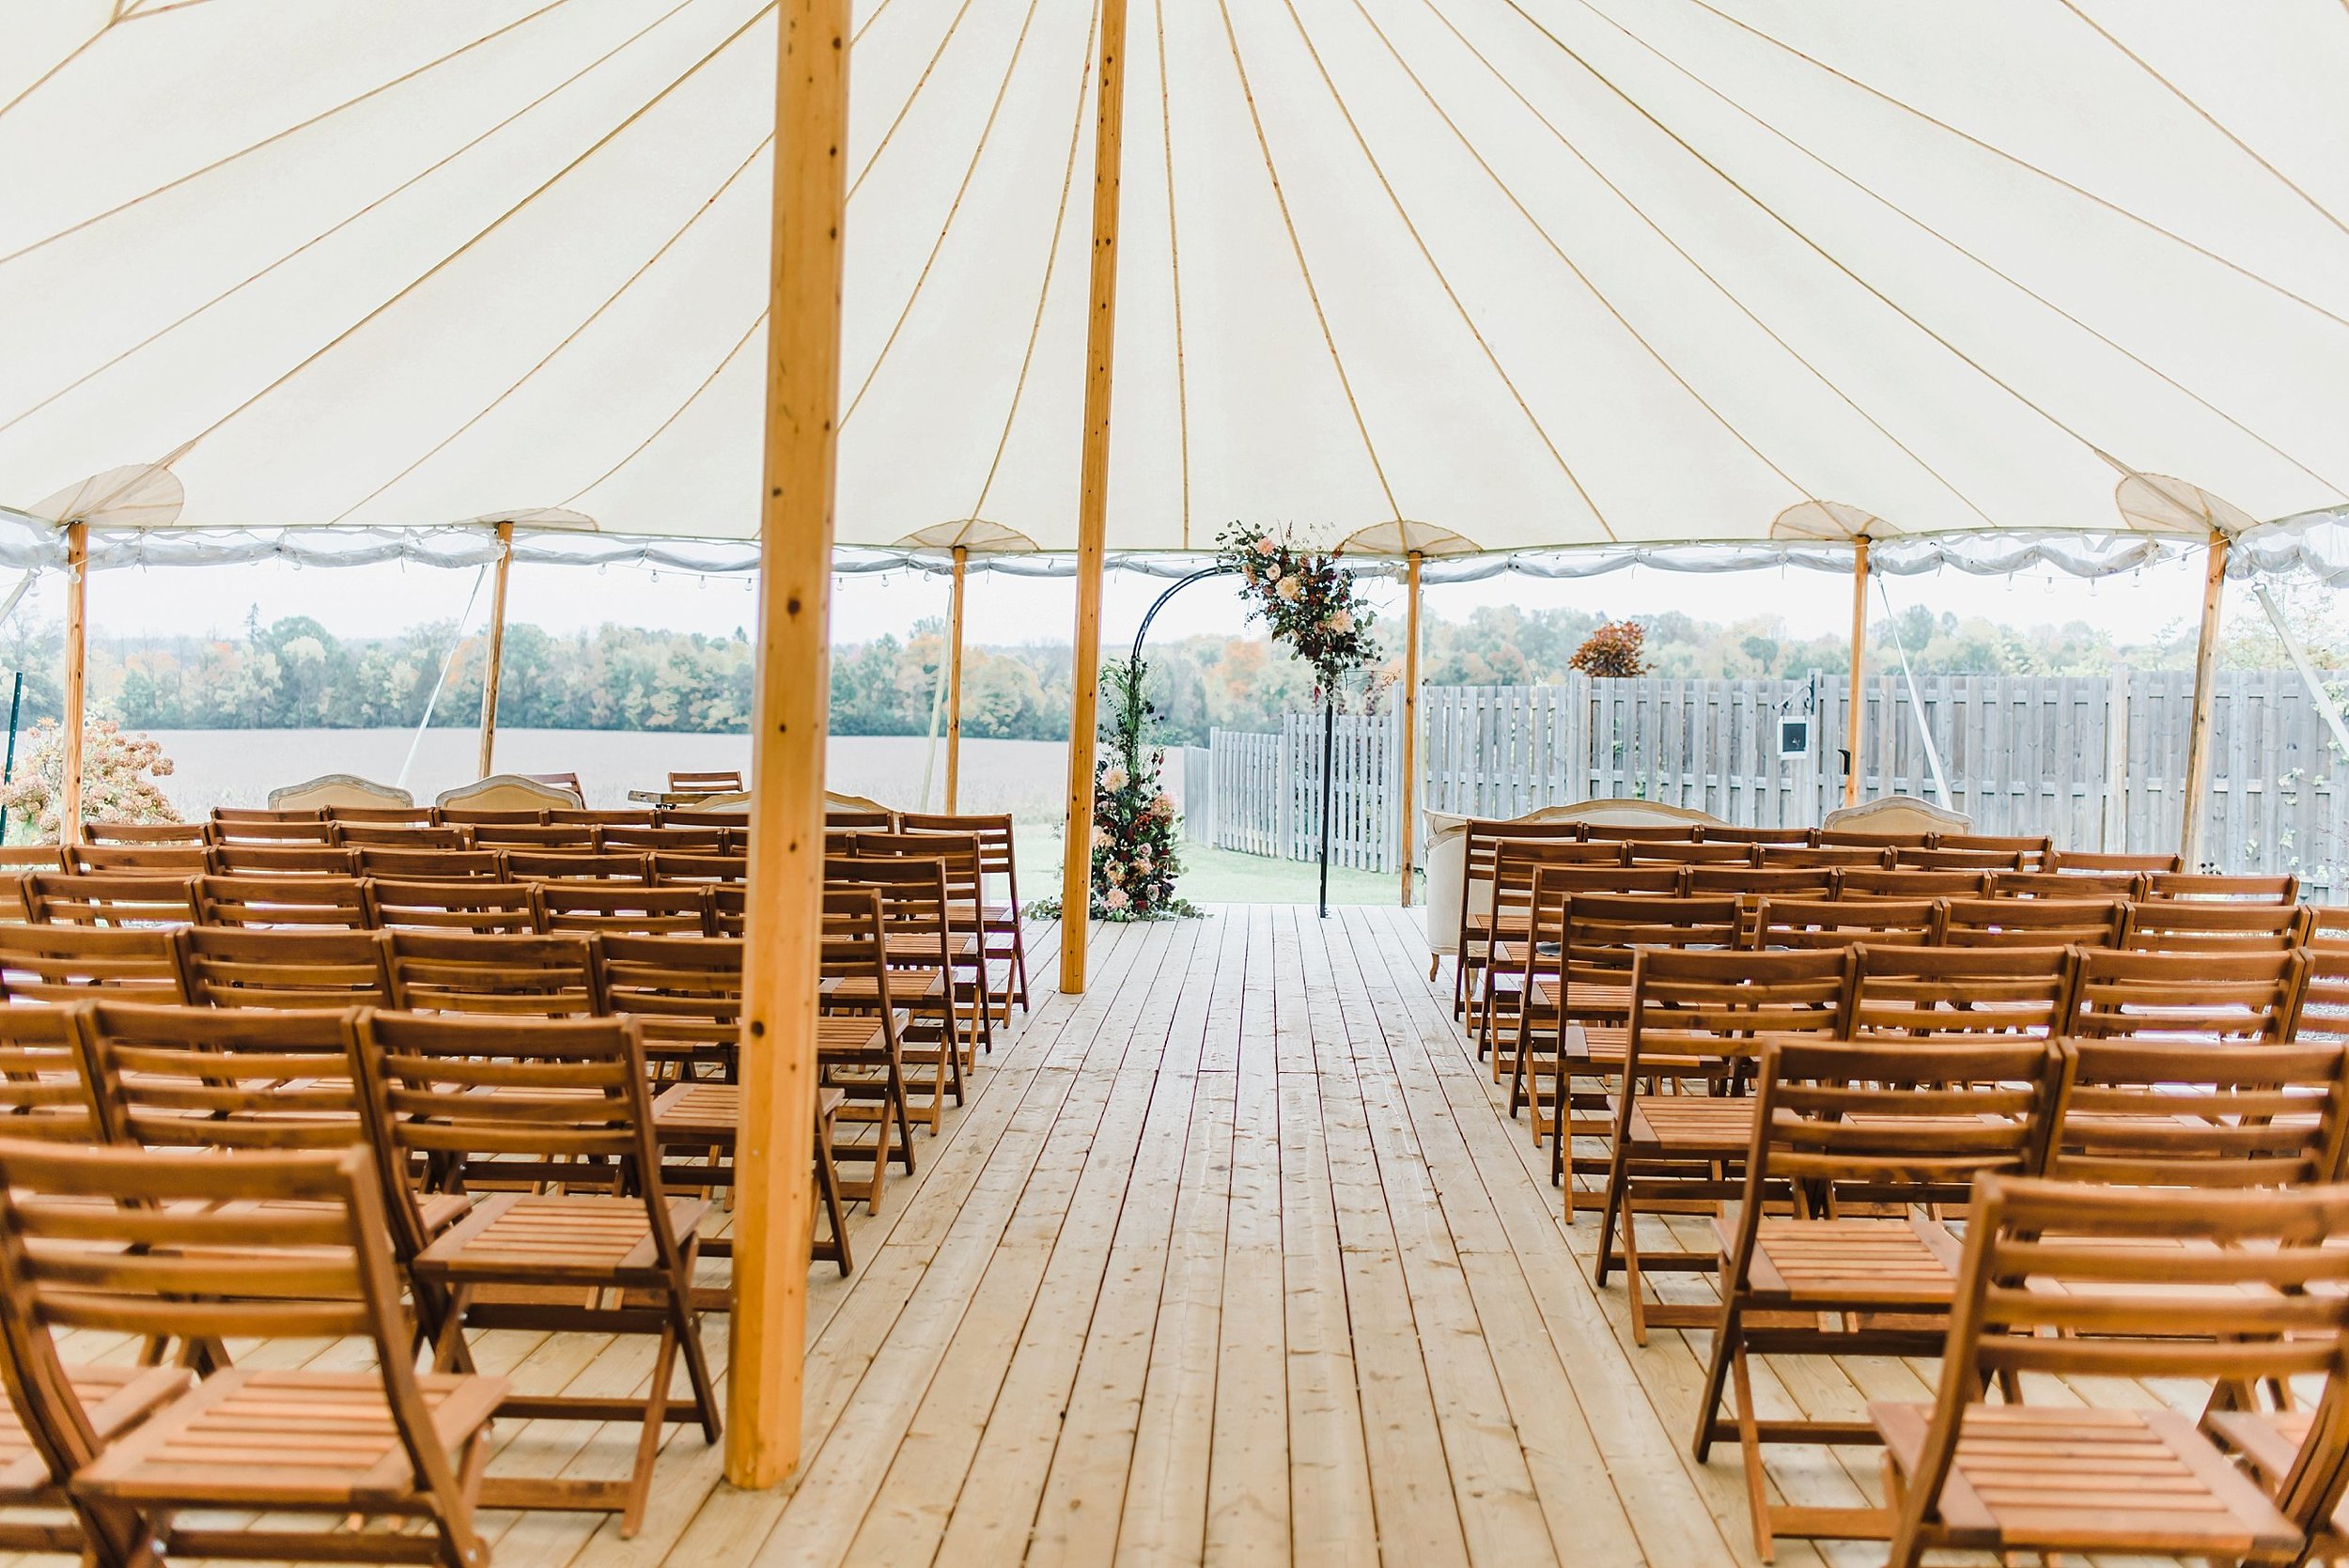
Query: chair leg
[
  {"x": 649, "y": 1437},
  {"x": 1730, "y": 1332},
  {"x": 697, "y": 1376},
  {"x": 1749, "y": 1445},
  {"x": 828, "y": 1193}
]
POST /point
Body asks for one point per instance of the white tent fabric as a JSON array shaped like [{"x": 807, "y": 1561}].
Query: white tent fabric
[{"x": 1623, "y": 275}]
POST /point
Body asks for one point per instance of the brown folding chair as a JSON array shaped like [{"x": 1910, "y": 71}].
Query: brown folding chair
[
  {"x": 144, "y": 834},
  {"x": 1768, "y": 838},
  {"x": 1491, "y": 943},
  {"x": 1866, "y": 882},
  {"x": 487, "y": 907},
  {"x": 105, "y": 1240},
  {"x": 476, "y": 1099},
  {"x": 662, "y": 840},
  {"x": 471, "y": 816},
  {"x": 1631, "y": 833},
  {"x": 2215, "y": 998},
  {"x": 2032, "y": 922},
  {"x": 1480, "y": 846},
  {"x": 1784, "y": 922},
  {"x": 1848, "y": 857},
  {"x": 2013, "y": 1478},
  {"x": 629, "y": 817},
  {"x": 73, "y": 963},
  {"x": 2066, "y": 884},
  {"x": 1676, "y": 852},
  {"x": 312, "y": 903},
  {"x": 115, "y": 899},
  {"x": 1952, "y": 994},
  {"x": 859, "y": 1036},
  {"x": 2180, "y": 1113},
  {"x": 1865, "y": 840},
  {"x": 711, "y": 780},
  {"x": 432, "y": 865},
  {"x": 1841, "y": 1132},
  {"x": 269, "y": 827},
  {"x": 1960, "y": 860},
  {"x": 1006, "y": 935},
  {"x": 284, "y": 860},
  {"x": 287, "y": 968},
  {"x": 534, "y": 835},
  {"x": 1681, "y": 1120},
  {"x": 2035, "y": 848},
  {"x": 922, "y": 944},
  {"x": 627, "y": 907},
  {"x": 137, "y": 860},
  {"x": 386, "y": 816},
  {"x": 2096, "y": 862},
  {"x": 2246, "y": 889},
  {"x": 502, "y": 975},
  {"x": 560, "y": 781},
  {"x": 401, "y": 835},
  {"x": 45, "y": 1092},
  {"x": 983, "y": 985},
  {"x": 2207, "y": 925},
  {"x": 583, "y": 865}
]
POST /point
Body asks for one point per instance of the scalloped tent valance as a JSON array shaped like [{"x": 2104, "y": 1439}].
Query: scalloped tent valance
[{"x": 1529, "y": 273}]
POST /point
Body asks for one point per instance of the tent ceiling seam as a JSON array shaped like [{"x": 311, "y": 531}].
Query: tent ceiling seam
[
  {"x": 324, "y": 235},
  {"x": 2017, "y": 159},
  {"x": 279, "y": 135},
  {"x": 945, "y": 39},
  {"x": 954, "y": 210},
  {"x": 674, "y": 414},
  {"x": 1296, "y": 248},
  {"x": 1591, "y": 288},
  {"x": 1175, "y": 270},
  {"x": 1723, "y": 289},
  {"x": 63, "y": 61}
]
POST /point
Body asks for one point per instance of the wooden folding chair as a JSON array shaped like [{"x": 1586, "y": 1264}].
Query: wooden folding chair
[
  {"x": 2094, "y": 862},
  {"x": 281, "y": 831},
  {"x": 1839, "y": 1126},
  {"x": 2270, "y": 1302},
  {"x": 1497, "y": 967},
  {"x": 1480, "y": 847},
  {"x": 104, "y": 1239},
  {"x": 1866, "y": 882},
  {"x": 472, "y": 816},
  {"x": 2066, "y": 884},
  {"x": 2207, "y": 925},
  {"x": 1752, "y": 886},
  {"x": 1632, "y": 833},
  {"x": 623, "y": 816},
  {"x": 732, "y": 820},
  {"x": 431, "y": 865},
  {"x": 464, "y": 1095},
  {"x": 671, "y": 869},
  {"x": 661, "y": 840},
  {"x": 922, "y": 943},
  {"x": 2218, "y": 998},
  {"x": 1952, "y": 994},
  {"x": 143, "y": 834},
  {"x": 860, "y": 1034},
  {"x": 1958, "y": 860},
  {"x": 287, "y": 968},
  {"x": 2246, "y": 889},
  {"x": 137, "y": 860},
  {"x": 855, "y": 820},
  {"x": 115, "y": 899},
  {"x": 1006, "y": 935},
  {"x": 401, "y": 835},
  {"x": 1676, "y": 852},
  {"x": 2032, "y": 922},
  {"x": 1843, "y": 857},
  {"x": 386, "y": 816},
  {"x": 710, "y": 781},
  {"x": 983, "y": 985},
  {"x": 1768, "y": 838},
  {"x": 486, "y": 906},
  {"x": 2183, "y": 1113},
  {"x": 625, "y": 906},
  {"x": 44, "y": 1093},
  {"x": 2035, "y": 848},
  {"x": 1866, "y": 840},
  {"x": 1785, "y": 923},
  {"x": 312, "y": 903},
  {"x": 284, "y": 860},
  {"x": 534, "y": 835},
  {"x": 72, "y": 963},
  {"x": 507, "y": 976},
  {"x": 560, "y": 781},
  {"x": 1682, "y": 1122},
  {"x": 577, "y": 866},
  {"x": 1518, "y": 1007}
]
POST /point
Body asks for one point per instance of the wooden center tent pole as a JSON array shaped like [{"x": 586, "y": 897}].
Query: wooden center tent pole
[
  {"x": 1859, "y": 667},
  {"x": 775, "y": 1149},
  {"x": 1076, "y": 881},
  {"x": 1411, "y": 718},
  {"x": 2194, "y": 804},
  {"x": 76, "y": 676},
  {"x": 496, "y": 666},
  {"x": 954, "y": 684}
]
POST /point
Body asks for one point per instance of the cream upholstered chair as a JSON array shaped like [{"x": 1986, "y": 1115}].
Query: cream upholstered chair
[
  {"x": 337, "y": 789},
  {"x": 509, "y": 792},
  {"x": 1898, "y": 814}
]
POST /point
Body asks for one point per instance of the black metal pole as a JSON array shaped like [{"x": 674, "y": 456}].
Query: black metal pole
[
  {"x": 8, "y": 769},
  {"x": 1328, "y": 745}
]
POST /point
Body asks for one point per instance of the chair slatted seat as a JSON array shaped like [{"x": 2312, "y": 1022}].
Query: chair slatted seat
[
  {"x": 472, "y": 1095},
  {"x": 484, "y": 907},
  {"x": 1953, "y": 994},
  {"x": 496, "y": 974},
  {"x": 114, "y": 899},
  {"x": 2013, "y": 1478},
  {"x": 1863, "y": 883},
  {"x": 1799, "y": 922},
  {"x": 2207, "y": 925},
  {"x": 921, "y": 945},
  {"x": 287, "y": 968},
  {"x": 251, "y": 1461},
  {"x": 314, "y": 903},
  {"x": 284, "y": 860},
  {"x": 2032, "y": 922},
  {"x": 71, "y": 963},
  {"x": 1841, "y": 1131},
  {"x": 137, "y": 860},
  {"x": 1681, "y": 1120},
  {"x": 555, "y": 865},
  {"x": 1006, "y": 934},
  {"x": 2246, "y": 889},
  {"x": 431, "y": 865},
  {"x": 2215, "y": 998},
  {"x": 640, "y": 911}
]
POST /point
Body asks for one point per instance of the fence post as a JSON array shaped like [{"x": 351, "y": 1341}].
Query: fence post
[{"x": 2115, "y": 839}]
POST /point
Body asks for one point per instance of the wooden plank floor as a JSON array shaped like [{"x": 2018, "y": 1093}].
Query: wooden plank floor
[{"x": 1236, "y": 1258}]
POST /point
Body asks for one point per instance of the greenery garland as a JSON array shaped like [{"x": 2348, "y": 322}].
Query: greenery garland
[{"x": 1137, "y": 852}]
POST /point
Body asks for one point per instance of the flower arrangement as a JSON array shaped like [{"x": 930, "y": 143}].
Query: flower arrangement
[
  {"x": 1307, "y": 600},
  {"x": 119, "y": 773},
  {"x": 1136, "y": 854}
]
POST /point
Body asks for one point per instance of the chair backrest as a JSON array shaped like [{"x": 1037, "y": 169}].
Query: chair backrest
[
  {"x": 1753, "y": 886},
  {"x": 1952, "y": 993},
  {"x": 431, "y": 865},
  {"x": 997, "y": 845},
  {"x": 282, "y": 969},
  {"x": 1866, "y": 882},
  {"x": 518, "y": 1099},
  {"x": 2207, "y": 925},
  {"x": 284, "y": 860},
  {"x": 288, "y": 1244},
  {"x": 196, "y": 1078},
  {"x": 2325, "y": 992},
  {"x": 388, "y": 816},
  {"x": 645, "y": 912},
  {"x": 401, "y": 835},
  {"x": 684, "y": 992},
  {"x": 488, "y": 907},
  {"x": 1855, "y": 1122},
  {"x": 321, "y": 903},
  {"x": 504, "y": 792},
  {"x": 1839, "y": 922},
  {"x": 737, "y": 822},
  {"x": 534, "y": 835},
  {"x": 2210, "y": 997},
  {"x": 1678, "y": 852},
  {"x": 1871, "y": 839},
  {"x": 1508, "y": 887},
  {"x": 73, "y": 963},
  {"x": 507, "y": 975},
  {"x": 916, "y": 905},
  {"x": 111, "y": 898},
  {"x": 2032, "y": 922},
  {"x": 1480, "y": 844},
  {"x": 1914, "y": 858},
  {"x": 675, "y": 841},
  {"x": 560, "y": 781},
  {"x": 137, "y": 860},
  {"x": 2189, "y": 1114},
  {"x": 490, "y": 817},
  {"x": 669, "y": 869},
  {"x": 2093, "y": 861},
  {"x": 1767, "y": 837},
  {"x": 1604, "y": 932},
  {"x": 2066, "y": 884},
  {"x": 2247, "y": 890},
  {"x": 2033, "y": 848},
  {"x": 853, "y": 959},
  {"x": 1849, "y": 856},
  {"x": 708, "y": 780},
  {"x": 1644, "y": 833},
  {"x": 1698, "y": 1014},
  {"x": 342, "y": 794},
  {"x": 144, "y": 833},
  {"x": 45, "y": 1089},
  {"x": 577, "y": 864},
  {"x": 859, "y": 820},
  {"x": 260, "y": 829}
]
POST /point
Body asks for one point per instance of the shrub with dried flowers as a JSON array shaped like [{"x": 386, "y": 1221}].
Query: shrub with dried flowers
[
  {"x": 118, "y": 774},
  {"x": 1617, "y": 650}
]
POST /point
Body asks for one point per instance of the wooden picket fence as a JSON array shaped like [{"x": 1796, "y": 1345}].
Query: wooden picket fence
[{"x": 2091, "y": 762}]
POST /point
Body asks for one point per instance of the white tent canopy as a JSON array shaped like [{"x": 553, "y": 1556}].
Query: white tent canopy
[{"x": 1537, "y": 273}]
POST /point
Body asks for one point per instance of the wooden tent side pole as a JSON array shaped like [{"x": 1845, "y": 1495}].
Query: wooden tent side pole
[
  {"x": 1410, "y": 718},
  {"x": 774, "y": 1147},
  {"x": 954, "y": 684},
  {"x": 1076, "y": 879},
  {"x": 1859, "y": 667},
  {"x": 2206, "y": 698},
  {"x": 76, "y": 676},
  {"x": 496, "y": 667}
]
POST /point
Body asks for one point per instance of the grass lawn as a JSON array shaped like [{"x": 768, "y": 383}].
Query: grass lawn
[{"x": 1214, "y": 875}]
